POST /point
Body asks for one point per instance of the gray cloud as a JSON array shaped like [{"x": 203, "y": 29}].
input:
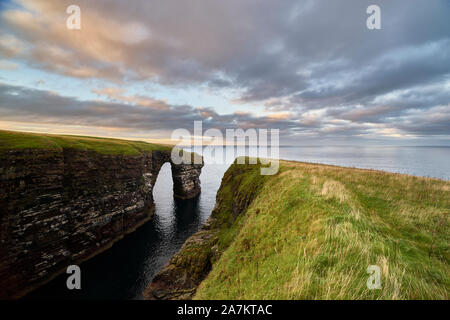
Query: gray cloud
[
  {"x": 38, "y": 106},
  {"x": 297, "y": 56},
  {"x": 31, "y": 105}
]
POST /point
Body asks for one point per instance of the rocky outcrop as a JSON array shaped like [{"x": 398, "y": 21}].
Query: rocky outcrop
[
  {"x": 180, "y": 278},
  {"x": 186, "y": 184},
  {"x": 61, "y": 207}
]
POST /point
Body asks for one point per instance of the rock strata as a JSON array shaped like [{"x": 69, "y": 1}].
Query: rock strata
[{"x": 61, "y": 207}]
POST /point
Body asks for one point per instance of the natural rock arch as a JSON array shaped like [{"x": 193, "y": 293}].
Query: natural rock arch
[
  {"x": 62, "y": 207},
  {"x": 186, "y": 177}
]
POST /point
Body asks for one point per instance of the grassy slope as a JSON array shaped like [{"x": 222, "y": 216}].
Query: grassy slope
[
  {"x": 312, "y": 231},
  {"x": 20, "y": 140}
]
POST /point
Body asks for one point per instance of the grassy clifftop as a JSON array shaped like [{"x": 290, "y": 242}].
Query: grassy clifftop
[
  {"x": 311, "y": 231},
  {"x": 11, "y": 140}
]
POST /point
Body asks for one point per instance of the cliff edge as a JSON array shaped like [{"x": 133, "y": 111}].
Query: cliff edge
[
  {"x": 316, "y": 232},
  {"x": 64, "y": 199}
]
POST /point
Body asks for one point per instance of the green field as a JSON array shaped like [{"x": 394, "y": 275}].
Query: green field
[
  {"x": 311, "y": 231},
  {"x": 20, "y": 140}
]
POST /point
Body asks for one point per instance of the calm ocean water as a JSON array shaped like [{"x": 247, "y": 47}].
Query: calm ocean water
[
  {"x": 123, "y": 271},
  {"x": 419, "y": 161}
]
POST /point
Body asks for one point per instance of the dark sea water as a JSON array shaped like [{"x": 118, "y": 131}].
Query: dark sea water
[{"x": 123, "y": 271}]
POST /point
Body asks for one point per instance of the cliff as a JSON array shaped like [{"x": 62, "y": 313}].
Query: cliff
[
  {"x": 65, "y": 199},
  {"x": 311, "y": 232},
  {"x": 185, "y": 271}
]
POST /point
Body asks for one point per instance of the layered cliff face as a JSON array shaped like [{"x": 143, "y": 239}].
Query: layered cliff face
[{"x": 62, "y": 206}]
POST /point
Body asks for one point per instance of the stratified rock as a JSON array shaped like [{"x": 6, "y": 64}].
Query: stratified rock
[{"x": 61, "y": 207}]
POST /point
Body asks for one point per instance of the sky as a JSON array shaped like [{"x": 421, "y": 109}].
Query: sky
[{"x": 312, "y": 69}]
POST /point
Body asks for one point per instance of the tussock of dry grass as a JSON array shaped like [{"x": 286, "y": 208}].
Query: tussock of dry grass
[{"x": 334, "y": 189}]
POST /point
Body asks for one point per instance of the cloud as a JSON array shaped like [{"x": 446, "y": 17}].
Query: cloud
[
  {"x": 6, "y": 65},
  {"x": 39, "y": 106},
  {"x": 313, "y": 65},
  {"x": 118, "y": 94},
  {"x": 21, "y": 104},
  {"x": 280, "y": 116},
  {"x": 10, "y": 46}
]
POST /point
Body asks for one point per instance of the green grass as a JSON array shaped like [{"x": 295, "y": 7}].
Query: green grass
[
  {"x": 311, "y": 231},
  {"x": 11, "y": 140}
]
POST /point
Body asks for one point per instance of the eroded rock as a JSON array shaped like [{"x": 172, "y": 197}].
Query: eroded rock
[{"x": 61, "y": 207}]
